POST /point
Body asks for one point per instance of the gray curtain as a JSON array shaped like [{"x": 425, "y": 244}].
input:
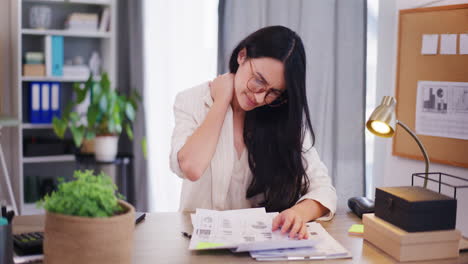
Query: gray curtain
[
  {"x": 334, "y": 35},
  {"x": 131, "y": 76}
]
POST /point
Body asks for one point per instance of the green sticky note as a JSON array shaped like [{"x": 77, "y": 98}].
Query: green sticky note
[
  {"x": 207, "y": 245},
  {"x": 356, "y": 229}
]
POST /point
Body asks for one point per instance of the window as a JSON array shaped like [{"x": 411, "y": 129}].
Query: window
[
  {"x": 180, "y": 40},
  {"x": 371, "y": 68}
]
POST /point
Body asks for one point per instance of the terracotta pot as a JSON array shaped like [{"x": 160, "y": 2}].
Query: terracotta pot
[
  {"x": 106, "y": 148},
  {"x": 87, "y": 146},
  {"x": 77, "y": 240}
]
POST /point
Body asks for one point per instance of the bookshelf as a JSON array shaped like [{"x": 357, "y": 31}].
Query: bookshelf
[
  {"x": 88, "y": 2},
  {"x": 52, "y": 79},
  {"x": 48, "y": 159},
  {"x": 75, "y": 43},
  {"x": 66, "y": 33},
  {"x": 36, "y": 126}
]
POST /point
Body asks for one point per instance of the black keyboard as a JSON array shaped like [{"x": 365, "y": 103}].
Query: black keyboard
[{"x": 28, "y": 243}]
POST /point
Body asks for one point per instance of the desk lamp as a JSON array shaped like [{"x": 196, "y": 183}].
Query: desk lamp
[
  {"x": 408, "y": 211},
  {"x": 381, "y": 123}
]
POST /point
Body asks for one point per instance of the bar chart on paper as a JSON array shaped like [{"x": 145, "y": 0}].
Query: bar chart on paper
[{"x": 442, "y": 109}]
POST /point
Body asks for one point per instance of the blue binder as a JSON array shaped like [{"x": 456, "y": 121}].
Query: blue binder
[
  {"x": 55, "y": 99},
  {"x": 46, "y": 112},
  {"x": 57, "y": 55},
  {"x": 35, "y": 102}
]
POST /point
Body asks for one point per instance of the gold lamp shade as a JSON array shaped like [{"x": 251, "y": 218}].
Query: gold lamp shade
[{"x": 382, "y": 122}]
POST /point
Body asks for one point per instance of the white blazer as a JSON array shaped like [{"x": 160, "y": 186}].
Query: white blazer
[{"x": 190, "y": 109}]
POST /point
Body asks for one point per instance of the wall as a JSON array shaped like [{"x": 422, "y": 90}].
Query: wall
[
  {"x": 5, "y": 90},
  {"x": 392, "y": 170},
  {"x": 4, "y": 53}
]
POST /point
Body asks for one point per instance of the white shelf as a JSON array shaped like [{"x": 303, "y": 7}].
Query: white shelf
[
  {"x": 7, "y": 121},
  {"x": 36, "y": 126},
  {"x": 31, "y": 209},
  {"x": 77, "y": 43},
  {"x": 42, "y": 159},
  {"x": 65, "y": 33},
  {"x": 85, "y": 2},
  {"x": 52, "y": 79}
]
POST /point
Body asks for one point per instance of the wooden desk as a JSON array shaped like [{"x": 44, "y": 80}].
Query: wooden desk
[{"x": 158, "y": 240}]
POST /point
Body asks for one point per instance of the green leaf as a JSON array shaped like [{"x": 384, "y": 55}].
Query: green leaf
[
  {"x": 105, "y": 82},
  {"x": 136, "y": 96},
  {"x": 129, "y": 131},
  {"x": 74, "y": 117},
  {"x": 116, "y": 114},
  {"x": 89, "y": 82},
  {"x": 116, "y": 119},
  {"x": 103, "y": 104},
  {"x": 68, "y": 109},
  {"x": 143, "y": 147},
  {"x": 130, "y": 112},
  {"x": 78, "y": 134},
  {"x": 111, "y": 126},
  {"x": 92, "y": 115},
  {"x": 113, "y": 100},
  {"x": 60, "y": 126},
  {"x": 90, "y": 134},
  {"x": 118, "y": 128},
  {"x": 96, "y": 93},
  {"x": 80, "y": 93}
]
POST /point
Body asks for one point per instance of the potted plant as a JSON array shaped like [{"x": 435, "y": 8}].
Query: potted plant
[
  {"x": 109, "y": 114},
  {"x": 86, "y": 222}
]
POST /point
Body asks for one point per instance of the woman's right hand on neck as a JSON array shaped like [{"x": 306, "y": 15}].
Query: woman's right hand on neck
[
  {"x": 196, "y": 154},
  {"x": 222, "y": 88}
]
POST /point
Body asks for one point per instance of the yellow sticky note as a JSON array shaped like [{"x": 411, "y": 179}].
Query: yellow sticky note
[
  {"x": 356, "y": 229},
  {"x": 207, "y": 245}
]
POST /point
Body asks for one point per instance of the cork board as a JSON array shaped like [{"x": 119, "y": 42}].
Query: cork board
[{"x": 412, "y": 67}]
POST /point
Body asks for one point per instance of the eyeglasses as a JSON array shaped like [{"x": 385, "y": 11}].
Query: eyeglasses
[{"x": 273, "y": 97}]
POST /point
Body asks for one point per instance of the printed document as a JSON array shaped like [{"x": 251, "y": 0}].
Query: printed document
[
  {"x": 442, "y": 109},
  {"x": 249, "y": 230}
]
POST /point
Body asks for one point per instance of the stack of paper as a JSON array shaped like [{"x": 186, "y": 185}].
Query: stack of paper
[
  {"x": 82, "y": 22},
  {"x": 249, "y": 230},
  {"x": 76, "y": 71}
]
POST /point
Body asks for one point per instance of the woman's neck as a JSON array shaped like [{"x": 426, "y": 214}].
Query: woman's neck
[{"x": 236, "y": 108}]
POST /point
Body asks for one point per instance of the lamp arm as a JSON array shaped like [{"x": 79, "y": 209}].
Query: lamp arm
[{"x": 421, "y": 146}]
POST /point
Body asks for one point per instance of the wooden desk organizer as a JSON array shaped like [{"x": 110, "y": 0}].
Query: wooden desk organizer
[{"x": 411, "y": 246}]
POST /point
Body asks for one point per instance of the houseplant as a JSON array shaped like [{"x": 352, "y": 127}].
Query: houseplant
[
  {"x": 108, "y": 114},
  {"x": 87, "y": 223}
]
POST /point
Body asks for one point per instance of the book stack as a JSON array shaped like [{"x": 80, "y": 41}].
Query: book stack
[
  {"x": 34, "y": 64},
  {"x": 82, "y": 22},
  {"x": 105, "y": 20},
  {"x": 250, "y": 230}
]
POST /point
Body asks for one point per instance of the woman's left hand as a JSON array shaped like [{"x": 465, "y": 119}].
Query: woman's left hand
[{"x": 291, "y": 221}]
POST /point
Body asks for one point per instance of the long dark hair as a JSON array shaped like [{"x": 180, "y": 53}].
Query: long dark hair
[{"x": 274, "y": 136}]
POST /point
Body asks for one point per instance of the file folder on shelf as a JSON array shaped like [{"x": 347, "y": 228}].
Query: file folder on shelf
[
  {"x": 48, "y": 54},
  {"x": 57, "y": 55},
  {"x": 46, "y": 113},
  {"x": 55, "y": 100},
  {"x": 35, "y": 102}
]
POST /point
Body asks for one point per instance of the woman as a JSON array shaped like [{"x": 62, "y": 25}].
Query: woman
[{"x": 240, "y": 141}]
